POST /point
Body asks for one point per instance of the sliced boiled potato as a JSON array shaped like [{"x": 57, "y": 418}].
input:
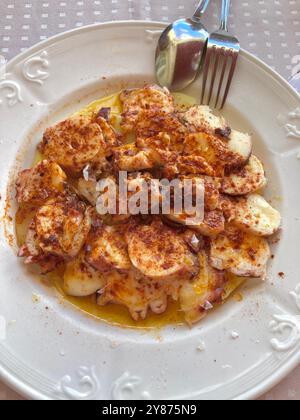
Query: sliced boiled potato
[
  {"x": 198, "y": 296},
  {"x": 108, "y": 250},
  {"x": 242, "y": 254},
  {"x": 230, "y": 153},
  {"x": 212, "y": 225},
  {"x": 202, "y": 118},
  {"x": 183, "y": 101},
  {"x": 159, "y": 252},
  {"x": 244, "y": 181},
  {"x": 240, "y": 144},
  {"x": 74, "y": 143},
  {"x": 80, "y": 279},
  {"x": 256, "y": 215},
  {"x": 137, "y": 101}
]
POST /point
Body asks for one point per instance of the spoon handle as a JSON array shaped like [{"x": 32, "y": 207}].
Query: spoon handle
[
  {"x": 201, "y": 9},
  {"x": 224, "y": 15}
]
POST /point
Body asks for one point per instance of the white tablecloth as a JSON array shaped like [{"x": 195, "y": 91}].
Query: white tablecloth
[{"x": 269, "y": 29}]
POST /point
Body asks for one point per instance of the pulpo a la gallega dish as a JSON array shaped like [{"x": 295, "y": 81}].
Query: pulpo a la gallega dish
[{"x": 144, "y": 262}]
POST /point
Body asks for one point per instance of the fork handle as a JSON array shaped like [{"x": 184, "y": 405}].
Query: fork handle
[
  {"x": 224, "y": 15},
  {"x": 199, "y": 12}
]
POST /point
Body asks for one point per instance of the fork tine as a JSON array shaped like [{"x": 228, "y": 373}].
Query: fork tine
[
  {"x": 205, "y": 73},
  {"x": 214, "y": 75},
  {"x": 230, "y": 77},
  {"x": 221, "y": 78}
]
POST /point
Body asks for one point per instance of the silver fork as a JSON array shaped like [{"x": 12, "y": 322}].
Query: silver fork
[{"x": 221, "y": 47}]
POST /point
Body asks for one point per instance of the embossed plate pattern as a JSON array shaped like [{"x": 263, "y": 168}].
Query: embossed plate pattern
[{"x": 60, "y": 353}]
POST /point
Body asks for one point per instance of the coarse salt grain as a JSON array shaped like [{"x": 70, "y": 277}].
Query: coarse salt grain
[
  {"x": 86, "y": 174},
  {"x": 207, "y": 306},
  {"x": 201, "y": 346}
]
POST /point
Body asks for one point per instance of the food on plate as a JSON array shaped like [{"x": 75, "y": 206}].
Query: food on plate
[
  {"x": 138, "y": 256},
  {"x": 200, "y": 119},
  {"x": 156, "y": 251},
  {"x": 58, "y": 230},
  {"x": 246, "y": 180},
  {"x": 240, "y": 253},
  {"x": 75, "y": 143},
  {"x": 212, "y": 225},
  {"x": 130, "y": 158},
  {"x": 81, "y": 279},
  {"x": 254, "y": 214},
  {"x": 198, "y": 296},
  {"x": 44, "y": 181},
  {"x": 107, "y": 250},
  {"x": 138, "y": 102}
]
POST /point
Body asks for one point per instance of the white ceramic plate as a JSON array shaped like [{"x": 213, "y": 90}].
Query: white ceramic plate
[{"x": 60, "y": 353}]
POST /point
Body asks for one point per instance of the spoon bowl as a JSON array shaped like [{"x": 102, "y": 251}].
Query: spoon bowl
[{"x": 180, "y": 51}]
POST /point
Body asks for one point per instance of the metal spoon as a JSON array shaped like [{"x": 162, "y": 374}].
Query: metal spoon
[{"x": 180, "y": 51}]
